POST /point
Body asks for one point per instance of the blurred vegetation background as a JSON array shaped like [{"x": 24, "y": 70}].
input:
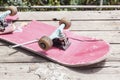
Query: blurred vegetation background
[{"x": 55, "y": 3}]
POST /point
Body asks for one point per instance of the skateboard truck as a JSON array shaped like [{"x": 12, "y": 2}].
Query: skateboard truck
[
  {"x": 57, "y": 38},
  {"x": 11, "y": 10}
]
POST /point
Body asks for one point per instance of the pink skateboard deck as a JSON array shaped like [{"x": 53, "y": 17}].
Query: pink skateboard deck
[{"x": 82, "y": 51}]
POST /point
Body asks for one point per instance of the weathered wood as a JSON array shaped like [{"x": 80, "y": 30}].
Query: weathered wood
[
  {"x": 17, "y": 55},
  {"x": 73, "y": 15},
  {"x": 23, "y": 65},
  {"x": 76, "y": 73},
  {"x": 61, "y": 76},
  {"x": 18, "y": 76},
  {"x": 84, "y": 25},
  {"x": 109, "y": 36},
  {"x": 18, "y": 67},
  {"x": 52, "y": 71},
  {"x": 95, "y": 25},
  {"x": 37, "y": 67}
]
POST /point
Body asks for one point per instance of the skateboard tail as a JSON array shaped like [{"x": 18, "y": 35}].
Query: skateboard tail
[{"x": 85, "y": 58}]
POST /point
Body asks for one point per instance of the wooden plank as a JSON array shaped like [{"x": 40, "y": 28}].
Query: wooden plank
[
  {"x": 95, "y": 25},
  {"x": 76, "y": 73},
  {"x": 17, "y": 55},
  {"x": 109, "y": 36},
  {"x": 18, "y": 76},
  {"x": 84, "y": 25},
  {"x": 97, "y": 77},
  {"x": 20, "y": 59},
  {"x": 106, "y": 68},
  {"x": 18, "y": 67},
  {"x": 58, "y": 76},
  {"x": 74, "y": 15},
  {"x": 50, "y": 71}
]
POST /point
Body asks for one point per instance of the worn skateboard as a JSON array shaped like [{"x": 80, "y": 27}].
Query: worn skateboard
[
  {"x": 6, "y": 19},
  {"x": 59, "y": 44}
]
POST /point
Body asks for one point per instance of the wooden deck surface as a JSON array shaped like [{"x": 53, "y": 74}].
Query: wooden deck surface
[{"x": 19, "y": 64}]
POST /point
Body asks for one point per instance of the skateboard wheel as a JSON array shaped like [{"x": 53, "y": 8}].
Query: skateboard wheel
[
  {"x": 13, "y": 10},
  {"x": 66, "y": 22},
  {"x": 45, "y": 43}
]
